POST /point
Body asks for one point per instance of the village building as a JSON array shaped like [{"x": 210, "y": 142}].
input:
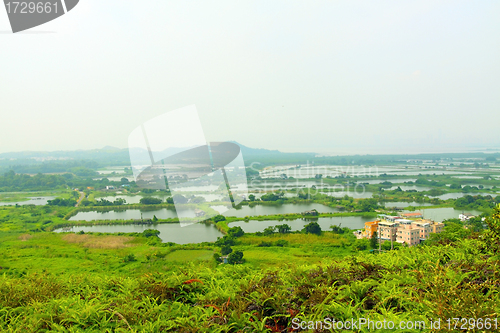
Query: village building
[{"x": 465, "y": 217}]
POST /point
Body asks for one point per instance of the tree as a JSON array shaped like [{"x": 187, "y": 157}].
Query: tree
[
  {"x": 226, "y": 249},
  {"x": 218, "y": 218},
  {"x": 312, "y": 228},
  {"x": 268, "y": 231},
  {"x": 155, "y": 219},
  {"x": 251, "y": 197},
  {"x": 374, "y": 240},
  {"x": 283, "y": 228},
  {"x": 236, "y": 232},
  {"x": 235, "y": 257}
]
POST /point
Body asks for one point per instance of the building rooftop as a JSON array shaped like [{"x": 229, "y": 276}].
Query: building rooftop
[{"x": 411, "y": 214}]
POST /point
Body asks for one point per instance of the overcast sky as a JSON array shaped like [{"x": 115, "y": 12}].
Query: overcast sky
[{"x": 325, "y": 76}]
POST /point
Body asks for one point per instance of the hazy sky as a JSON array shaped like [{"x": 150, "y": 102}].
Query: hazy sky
[{"x": 330, "y": 76}]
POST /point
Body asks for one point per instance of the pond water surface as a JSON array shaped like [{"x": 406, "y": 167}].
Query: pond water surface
[
  {"x": 169, "y": 232},
  {"x": 38, "y": 201}
]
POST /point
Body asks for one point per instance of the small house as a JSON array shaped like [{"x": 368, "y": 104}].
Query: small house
[
  {"x": 199, "y": 213},
  {"x": 313, "y": 212}
]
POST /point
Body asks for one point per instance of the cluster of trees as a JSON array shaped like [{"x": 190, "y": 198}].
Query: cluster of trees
[
  {"x": 62, "y": 202},
  {"x": 425, "y": 182},
  {"x": 310, "y": 228},
  {"x": 104, "y": 202},
  {"x": 12, "y": 182},
  {"x": 281, "y": 228},
  {"x": 150, "y": 201},
  {"x": 477, "y": 202},
  {"x": 272, "y": 196},
  {"x": 225, "y": 243}
]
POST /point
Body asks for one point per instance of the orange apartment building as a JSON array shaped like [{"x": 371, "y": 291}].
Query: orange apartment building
[{"x": 409, "y": 232}]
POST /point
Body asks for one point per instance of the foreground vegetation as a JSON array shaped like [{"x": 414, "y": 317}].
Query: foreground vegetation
[{"x": 102, "y": 283}]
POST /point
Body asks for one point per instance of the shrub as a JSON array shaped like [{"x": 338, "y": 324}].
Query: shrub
[
  {"x": 281, "y": 243},
  {"x": 151, "y": 233},
  {"x": 129, "y": 258}
]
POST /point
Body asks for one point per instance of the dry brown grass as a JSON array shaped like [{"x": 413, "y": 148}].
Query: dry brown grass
[
  {"x": 25, "y": 237},
  {"x": 99, "y": 242}
]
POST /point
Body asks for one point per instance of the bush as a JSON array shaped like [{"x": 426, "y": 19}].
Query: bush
[
  {"x": 361, "y": 244},
  {"x": 281, "y": 243},
  {"x": 129, "y": 258},
  {"x": 151, "y": 233}
]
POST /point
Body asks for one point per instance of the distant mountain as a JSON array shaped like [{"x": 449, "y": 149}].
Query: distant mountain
[
  {"x": 108, "y": 156},
  {"x": 246, "y": 151}
]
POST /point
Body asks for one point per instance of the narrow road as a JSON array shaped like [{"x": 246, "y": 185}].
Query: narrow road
[{"x": 82, "y": 195}]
